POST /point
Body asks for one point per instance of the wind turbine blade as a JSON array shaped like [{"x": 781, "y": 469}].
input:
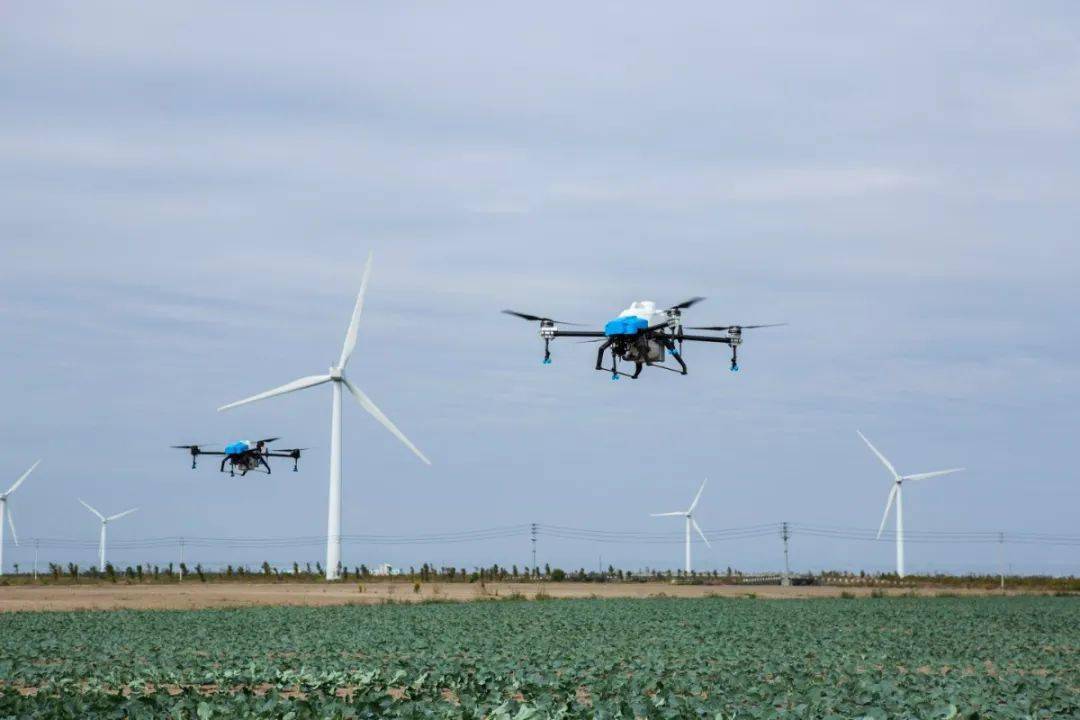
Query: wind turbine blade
[
  {"x": 888, "y": 507},
  {"x": 936, "y": 473},
  {"x": 882, "y": 458},
  {"x": 698, "y": 496},
  {"x": 350, "y": 335},
  {"x": 11, "y": 524},
  {"x": 304, "y": 382},
  {"x": 117, "y": 516},
  {"x": 21, "y": 478},
  {"x": 365, "y": 402},
  {"x": 671, "y": 514},
  {"x": 100, "y": 516},
  {"x": 694, "y": 523}
]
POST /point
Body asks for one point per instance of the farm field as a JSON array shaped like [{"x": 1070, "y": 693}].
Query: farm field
[{"x": 663, "y": 658}]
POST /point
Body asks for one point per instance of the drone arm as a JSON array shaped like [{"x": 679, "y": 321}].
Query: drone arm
[
  {"x": 701, "y": 338},
  {"x": 578, "y": 333}
]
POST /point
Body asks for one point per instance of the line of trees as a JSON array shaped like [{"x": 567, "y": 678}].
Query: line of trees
[{"x": 309, "y": 572}]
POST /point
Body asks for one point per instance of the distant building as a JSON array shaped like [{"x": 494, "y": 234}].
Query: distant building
[{"x": 386, "y": 569}]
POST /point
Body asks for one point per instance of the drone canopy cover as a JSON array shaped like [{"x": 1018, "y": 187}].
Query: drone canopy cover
[
  {"x": 625, "y": 326},
  {"x": 237, "y": 448}
]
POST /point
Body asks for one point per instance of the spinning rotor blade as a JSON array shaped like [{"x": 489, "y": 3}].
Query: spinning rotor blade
[
  {"x": 936, "y": 473},
  {"x": 537, "y": 318},
  {"x": 19, "y": 482},
  {"x": 11, "y": 524},
  {"x": 268, "y": 440},
  {"x": 734, "y": 328},
  {"x": 304, "y": 382},
  {"x": 117, "y": 516},
  {"x": 670, "y": 514},
  {"x": 694, "y": 523},
  {"x": 881, "y": 457},
  {"x": 87, "y": 506},
  {"x": 354, "y": 322},
  {"x": 697, "y": 497},
  {"x": 888, "y": 507},
  {"x": 686, "y": 303},
  {"x": 365, "y": 402}
]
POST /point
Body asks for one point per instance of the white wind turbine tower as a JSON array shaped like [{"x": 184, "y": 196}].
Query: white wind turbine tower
[
  {"x": 897, "y": 493},
  {"x": 689, "y": 515},
  {"x": 6, "y": 511},
  {"x": 104, "y": 523},
  {"x": 336, "y": 376}
]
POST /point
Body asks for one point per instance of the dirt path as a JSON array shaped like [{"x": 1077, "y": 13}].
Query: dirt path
[{"x": 90, "y": 596}]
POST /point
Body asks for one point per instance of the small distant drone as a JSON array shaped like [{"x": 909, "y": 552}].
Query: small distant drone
[
  {"x": 643, "y": 335},
  {"x": 245, "y": 456}
]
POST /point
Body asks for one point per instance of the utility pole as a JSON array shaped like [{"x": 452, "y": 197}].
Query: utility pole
[
  {"x": 181, "y": 559},
  {"x": 35, "y": 557},
  {"x": 532, "y": 531},
  {"x": 1001, "y": 559},
  {"x": 784, "y": 534}
]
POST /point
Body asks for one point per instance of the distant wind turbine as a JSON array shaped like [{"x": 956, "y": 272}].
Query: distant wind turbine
[
  {"x": 690, "y": 521},
  {"x": 336, "y": 376},
  {"x": 5, "y": 511},
  {"x": 897, "y": 493},
  {"x": 104, "y": 523}
]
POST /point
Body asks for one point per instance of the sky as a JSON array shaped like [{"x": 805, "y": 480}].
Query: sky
[{"x": 189, "y": 191}]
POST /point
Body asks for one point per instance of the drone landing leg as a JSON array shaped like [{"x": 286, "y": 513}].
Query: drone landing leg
[
  {"x": 600, "y": 355},
  {"x": 265, "y": 464},
  {"x": 677, "y": 355},
  {"x": 223, "y": 461},
  {"x": 637, "y": 370}
]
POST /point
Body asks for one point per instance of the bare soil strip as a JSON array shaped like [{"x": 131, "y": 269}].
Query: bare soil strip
[{"x": 196, "y": 595}]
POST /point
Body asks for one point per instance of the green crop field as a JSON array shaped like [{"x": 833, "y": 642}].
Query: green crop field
[{"x": 714, "y": 658}]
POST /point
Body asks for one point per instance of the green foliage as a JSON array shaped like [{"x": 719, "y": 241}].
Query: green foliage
[{"x": 658, "y": 658}]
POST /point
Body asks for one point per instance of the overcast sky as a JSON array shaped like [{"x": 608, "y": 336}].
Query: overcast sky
[{"x": 189, "y": 192}]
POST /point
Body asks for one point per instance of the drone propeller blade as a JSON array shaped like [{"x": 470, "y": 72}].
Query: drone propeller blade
[
  {"x": 686, "y": 303},
  {"x": 87, "y": 506},
  {"x": 300, "y": 384},
  {"x": 117, "y": 516},
  {"x": 268, "y": 440},
  {"x": 734, "y": 328},
  {"x": 365, "y": 402},
  {"x": 537, "y": 318},
  {"x": 354, "y": 322},
  {"x": 11, "y": 524},
  {"x": 22, "y": 478}
]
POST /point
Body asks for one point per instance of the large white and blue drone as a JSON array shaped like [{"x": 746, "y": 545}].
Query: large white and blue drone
[{"x": 643, "y": 335}]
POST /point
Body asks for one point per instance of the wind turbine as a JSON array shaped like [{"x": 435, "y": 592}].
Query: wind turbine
[
  {"x": 336, "y": 376},
  {"x": 897, "y": 493},
  {"x": 104, "y": 522},
  {"x": 5, "y": 510},
  {"x": 689, "y": 515}
]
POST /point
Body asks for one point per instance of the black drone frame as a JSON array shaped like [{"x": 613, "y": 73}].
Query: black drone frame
[{"x": 619, "y": 344}]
